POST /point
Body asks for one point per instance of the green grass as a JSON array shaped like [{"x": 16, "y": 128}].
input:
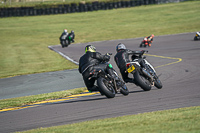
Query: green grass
[
  {"x": 24, "y": 40},
  {"x": 183, "y": 120},
  {"x": 27, "y": 100}
]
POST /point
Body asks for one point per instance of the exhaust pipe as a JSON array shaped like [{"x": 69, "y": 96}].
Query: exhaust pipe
[{"x": 147, "y": 74}]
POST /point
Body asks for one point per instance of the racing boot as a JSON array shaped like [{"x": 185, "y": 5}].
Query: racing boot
[
  {"x": 95, "y": 89},
  {"x": 149, "y": 45}
]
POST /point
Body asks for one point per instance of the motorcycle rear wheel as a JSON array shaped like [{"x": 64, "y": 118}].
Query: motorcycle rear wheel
[
  {"x": 196, "y": 38},
  {"x": 106, "y": 88},
  {"x": 142, "y": 81}
]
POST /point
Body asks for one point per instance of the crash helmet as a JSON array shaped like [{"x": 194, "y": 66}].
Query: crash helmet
[
  {"x": 120, "y": 46},
  {"x": 65, "y": 30},
  {"x": 72, "y": 31},
  {"x": 90, "y": 48},
  {"x": 152, "y": 35}
]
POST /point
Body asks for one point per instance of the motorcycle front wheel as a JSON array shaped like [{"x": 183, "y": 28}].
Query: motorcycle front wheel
[
  {"x": 158, "y": 83},
  {"x": 106, "y": 88},
  {"x": 195, "y": 38},
  {"x": 142, "y": 81},
  {"x": 124, "y": 90}
]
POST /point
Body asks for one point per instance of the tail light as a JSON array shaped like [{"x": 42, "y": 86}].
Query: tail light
[{"x": 128, "y": 64}]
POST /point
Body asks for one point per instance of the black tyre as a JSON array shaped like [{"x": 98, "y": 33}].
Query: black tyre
[
  {"x": 106, "y": 88},
  {"x": 195, "y": 38},
  {"x": 62, "y": 43},
  {"x": 142, "y": 45},
  {"x": 124, "y": 90},
  {"x": 67, "y": 43},
  {"x": 142, "y": 81},
  {"x": 158, "y": 83}
]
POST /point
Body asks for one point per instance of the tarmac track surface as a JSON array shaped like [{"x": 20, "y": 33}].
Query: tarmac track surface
[{"x": 179, "y": 75}]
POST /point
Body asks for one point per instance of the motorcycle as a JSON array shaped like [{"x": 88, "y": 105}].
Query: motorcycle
[
  {"x": 197, "y": 36},
  {"x": 145, "y": 42},
  {"x": 143, "y": 72},
  {"x": 68, "y": 39},
  {"x": 107, "y": 85}
]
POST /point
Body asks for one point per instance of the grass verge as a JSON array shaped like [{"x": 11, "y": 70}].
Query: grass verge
[
  {"x": 182, "y": 120},
  {"x": 24, "y": 40},
  {"x": 21, "y": 101}
]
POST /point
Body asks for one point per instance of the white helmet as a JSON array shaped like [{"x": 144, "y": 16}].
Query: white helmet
[
  {"x": 65, "y": 30},
  {"x": 120, "y": 46}
]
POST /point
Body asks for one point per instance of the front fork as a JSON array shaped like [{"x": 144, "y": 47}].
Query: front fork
[
  {"x": 146, "y": 71},
  {"x": 112, "y": 82}
]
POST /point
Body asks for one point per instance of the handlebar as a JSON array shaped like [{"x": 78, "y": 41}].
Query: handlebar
[
  {"x": 109, "y": 54},
  {"x": 145, "y": 51}
]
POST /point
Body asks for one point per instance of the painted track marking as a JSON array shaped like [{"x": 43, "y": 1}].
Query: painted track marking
[
  {"x": 49, "y": 101},
  {"x": 179, "y": 60}
]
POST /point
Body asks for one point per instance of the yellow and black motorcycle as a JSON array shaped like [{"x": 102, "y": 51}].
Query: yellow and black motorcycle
[{"x": 197, "y": 36}]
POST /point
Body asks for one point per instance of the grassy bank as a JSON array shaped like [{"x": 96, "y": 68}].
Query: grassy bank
[
  {"x": 184, "y": 120},
  {"x": 24, "y": 40}
]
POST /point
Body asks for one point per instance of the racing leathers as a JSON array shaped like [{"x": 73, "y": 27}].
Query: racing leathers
[
  {"x": 121, "y": 58},
  {"x": 90, "y": 61},
  {"x": 71, "y": 37}
]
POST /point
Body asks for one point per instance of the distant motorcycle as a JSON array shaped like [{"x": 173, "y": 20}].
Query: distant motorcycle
[
  {"x": 144, "y": 43},
  {"x": 197, "y": 36},
  {"x": 107, "y": 85},
  {"x": 143, "y": 72},
  {"x": 147, "y": 41},
  {"x": 67, "y": 40}
]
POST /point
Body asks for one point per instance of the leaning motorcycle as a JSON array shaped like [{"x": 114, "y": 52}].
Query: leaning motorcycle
[
  {"x": 143, "y": 72},
  {"x": 145, "y": 42},
  {"x": 108, "y": 85},
  {"x": 197, "y": 36},
  {"x": 66, "y": 41},
  {"x": 70, "y": 39}
]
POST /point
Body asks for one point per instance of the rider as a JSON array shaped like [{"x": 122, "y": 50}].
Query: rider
[
  {"x": 198, "y": 33},
  {"x": 63, "y": 38},
  {"x": 71, "y": 36},
  {"x": 147, "y": 40},
  {"x": 122, "y": 57},
  {"x": 92, "y": 59}
]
